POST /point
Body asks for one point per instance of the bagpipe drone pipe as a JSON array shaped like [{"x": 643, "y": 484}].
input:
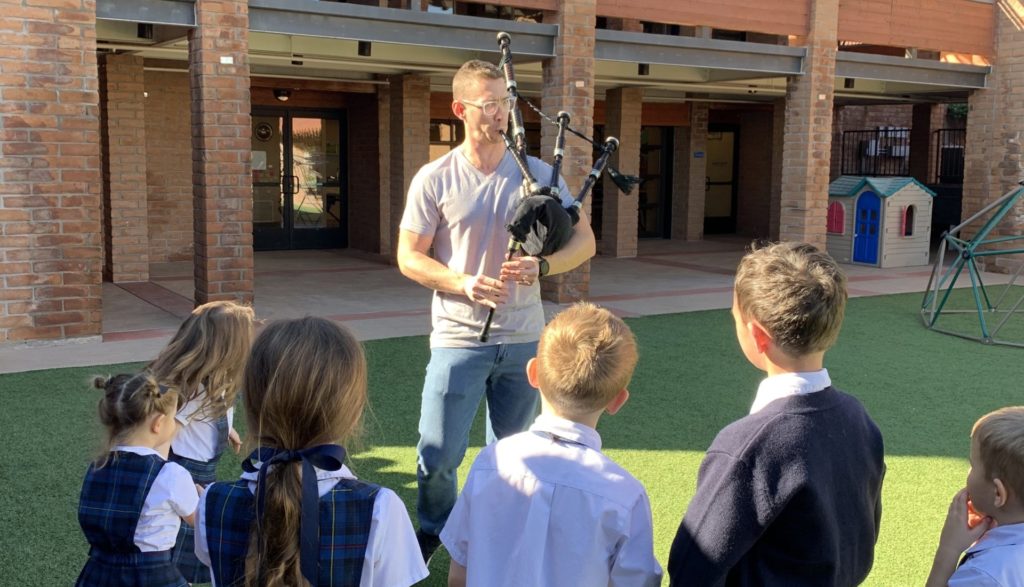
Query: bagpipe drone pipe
[{"x": 541, "y": 225}]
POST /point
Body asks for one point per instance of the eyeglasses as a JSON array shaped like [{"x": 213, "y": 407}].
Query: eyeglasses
[{"x": 490, "y": 107}]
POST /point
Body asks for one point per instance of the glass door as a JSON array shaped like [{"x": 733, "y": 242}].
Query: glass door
[
  {"x": 299, "y": 181},
  {"x": 720, "y": 185}
]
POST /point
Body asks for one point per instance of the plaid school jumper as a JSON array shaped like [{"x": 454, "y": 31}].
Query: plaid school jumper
[
  {"x": 108, "y": 511},
  {"x": 345, "y": 515},
  {"x": 203, "y": 473}
]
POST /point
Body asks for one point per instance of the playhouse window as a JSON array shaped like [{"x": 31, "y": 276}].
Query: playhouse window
[
  {"x": 907, "y": 224},
  {"x": 836, "y": 218}
]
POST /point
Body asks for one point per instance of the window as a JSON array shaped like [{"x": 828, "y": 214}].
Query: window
[
  {"x": 445, "y": 135},
  {"x": 836, "y": 218},
  {"x": 907, "y": 224}
]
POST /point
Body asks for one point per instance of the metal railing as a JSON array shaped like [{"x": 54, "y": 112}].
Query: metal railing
[
  {"x": 876, "y": 152},
  {"x": 949, "y": 155}
]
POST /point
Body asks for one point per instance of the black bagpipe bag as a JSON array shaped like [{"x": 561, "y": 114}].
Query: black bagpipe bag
[{"x": 542, "y": 225}]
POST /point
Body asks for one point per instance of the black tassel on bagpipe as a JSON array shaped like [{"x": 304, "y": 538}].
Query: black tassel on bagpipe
[{"x": 541, "y": 225}]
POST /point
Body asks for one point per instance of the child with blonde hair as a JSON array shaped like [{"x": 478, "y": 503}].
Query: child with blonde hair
[
  {"x": 132, "y": 499},
  {"x": 204, "y": 362},
  {"x": 298, "y": 515},
  {"x": 986, "y": 518},
  {"x": 546, "y": 506}
]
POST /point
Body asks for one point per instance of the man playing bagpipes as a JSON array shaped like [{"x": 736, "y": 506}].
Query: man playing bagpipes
[{"x": 460, "y": 205}]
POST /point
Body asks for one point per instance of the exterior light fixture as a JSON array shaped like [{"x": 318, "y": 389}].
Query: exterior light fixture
[{"x": 282, "y": 94}]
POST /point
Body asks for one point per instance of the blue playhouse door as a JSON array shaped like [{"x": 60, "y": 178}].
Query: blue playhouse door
[{"x": 865, "y": 239}]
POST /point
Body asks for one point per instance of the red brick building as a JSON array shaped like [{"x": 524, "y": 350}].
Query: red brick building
[{"x": 143, "y": 131}]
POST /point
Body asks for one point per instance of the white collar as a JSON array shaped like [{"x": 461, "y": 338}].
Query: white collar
[
  {"x": 789, "y": 384},
  {"x": 1009, "y": 535},
  {"x": 567, "y": 430},
  {"x": 321, "y": 475},
  {"x": 139, "y": 450}
]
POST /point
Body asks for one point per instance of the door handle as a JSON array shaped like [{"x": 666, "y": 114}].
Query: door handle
[{"x": 295, "y": 184}]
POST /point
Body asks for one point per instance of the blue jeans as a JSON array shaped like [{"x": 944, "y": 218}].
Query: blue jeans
[{"x": 456, "y": 380}]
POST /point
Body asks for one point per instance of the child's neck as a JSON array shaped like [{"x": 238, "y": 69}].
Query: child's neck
[
  {"x": 142, "y": 436},
  {"x": 589, "y": 419},
  {"x": 1010, "y": 515},
  {"x": 778, "y": 363}
]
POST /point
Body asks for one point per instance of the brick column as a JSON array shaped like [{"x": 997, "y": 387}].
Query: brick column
[
  {"x": 50, "y": 219},
  {"x": 995, "y": 131},
  {"x": 221, "y": 147},
  {"x": 922, "y": 149},
  {"x": 409, "y": 142},
  {"x": 124, "y": 168},
  {"x": 387, "y": 241},
  {"x": 807, "y": 144},
  {"x": 778, "y": 142},
  {"x": 688, "y": 209},
  {"x": 619, "y": 221},
  {"x": 569, "y": 86}
]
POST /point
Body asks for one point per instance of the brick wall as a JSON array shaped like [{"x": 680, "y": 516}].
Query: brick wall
[
  {"x": 410, "y": 140},
  {"x": 123, "y": 107},
  {"x": 50, "y": 214},
  {"x": 754, "y": 174},
  {"x": 808, "y": 132},
  {"x": 568, "y": 84},
  {"x": 619, "y": 211},
  {"x": 221, "y": 151},
  {"x": 169, "y": 167},
  {"x": 846, "y": 118},
  {"x": 995, "y": 131},
  {"x": 365, "y": 195},
  {"x": 689, "y": 170}
]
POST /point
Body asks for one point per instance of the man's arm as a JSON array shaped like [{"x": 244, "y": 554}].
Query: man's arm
[
  {"x": 415, "y": 263},
  {"x": 581, "y": 246}
]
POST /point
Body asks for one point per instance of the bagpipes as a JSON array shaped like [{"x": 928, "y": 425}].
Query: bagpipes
[{"x": 541, "y": 225}]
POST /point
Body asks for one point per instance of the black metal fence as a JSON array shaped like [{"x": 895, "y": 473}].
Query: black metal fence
[
  {"x": 949, "y": 155},
  {"x": 876, "y": 152}
]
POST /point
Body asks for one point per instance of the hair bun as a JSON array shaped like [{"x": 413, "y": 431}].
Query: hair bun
[{"x": 100, "y": 382}]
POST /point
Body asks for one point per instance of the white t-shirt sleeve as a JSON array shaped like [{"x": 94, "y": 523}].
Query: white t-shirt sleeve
[
  {"x": 188, "y": 411},
  {"x": 182, "y": 493},
  {"x": 231, "y": 418},
  {"x": 634, "y": 563},
  {"x": 454, "y": 535},
  {"x": 393, "y": 556},
  {"x": 421, "y": 213},
  {"x": 201, "y": 547}
]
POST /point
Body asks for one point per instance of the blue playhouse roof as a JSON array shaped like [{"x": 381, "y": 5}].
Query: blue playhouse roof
[{"x": 851, "y": 185}]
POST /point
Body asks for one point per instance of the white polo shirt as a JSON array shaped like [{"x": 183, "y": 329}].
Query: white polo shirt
[
  {"x": 547, "y": 507},
  {"x": 787, "y": 384},
  {"x": 171, "y": 496}
]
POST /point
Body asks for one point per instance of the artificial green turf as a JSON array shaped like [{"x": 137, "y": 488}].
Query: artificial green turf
[{"x": 923, "y": 388}]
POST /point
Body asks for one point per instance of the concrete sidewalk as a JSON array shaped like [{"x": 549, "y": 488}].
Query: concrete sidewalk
[{"x": 376, "y": 301}]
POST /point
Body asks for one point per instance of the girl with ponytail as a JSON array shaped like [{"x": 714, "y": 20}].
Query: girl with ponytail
[
  {"x": 132, "y": 499},
  {"x": 298, "y": 516}
]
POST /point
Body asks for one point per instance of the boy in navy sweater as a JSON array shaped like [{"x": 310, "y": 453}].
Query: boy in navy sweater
[{"x": 791, "y": 493}]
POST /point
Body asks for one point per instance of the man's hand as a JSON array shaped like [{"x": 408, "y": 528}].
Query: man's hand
[
  {"x": 485, "y": 290},
  {"x": 522, "y": 270}
]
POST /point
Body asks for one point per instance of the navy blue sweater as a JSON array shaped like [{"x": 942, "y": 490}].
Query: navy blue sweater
[{"x": 790, "y": 495}]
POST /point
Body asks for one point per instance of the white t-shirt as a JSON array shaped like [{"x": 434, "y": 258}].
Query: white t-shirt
[
  {"x": 465, "y": 211},
  {"x": 392, "y": 556},
  {"x": 197, "y": 436},
  {"x": 546, "y": 507},
  {"x": 172, "y": 496}
]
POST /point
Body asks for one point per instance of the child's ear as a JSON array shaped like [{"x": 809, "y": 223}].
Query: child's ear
[
  {"x": 761, "y": 337},
  {"x": 1002, "y": 493},
  {"x": 159, "y": 423},
  {"x": 617, "y": 402},
  {"x": 531, "y": 373}
]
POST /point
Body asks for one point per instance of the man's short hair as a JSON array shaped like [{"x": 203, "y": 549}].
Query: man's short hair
[
  {"x": 586, "y": 355},
  {"x": 472, "y": 71},
  {"x": 796, "y": 292},
  {"x": 1000, "y": 438}
]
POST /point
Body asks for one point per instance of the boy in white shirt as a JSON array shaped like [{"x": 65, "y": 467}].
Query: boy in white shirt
[{"x": 545, "y": 506}]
